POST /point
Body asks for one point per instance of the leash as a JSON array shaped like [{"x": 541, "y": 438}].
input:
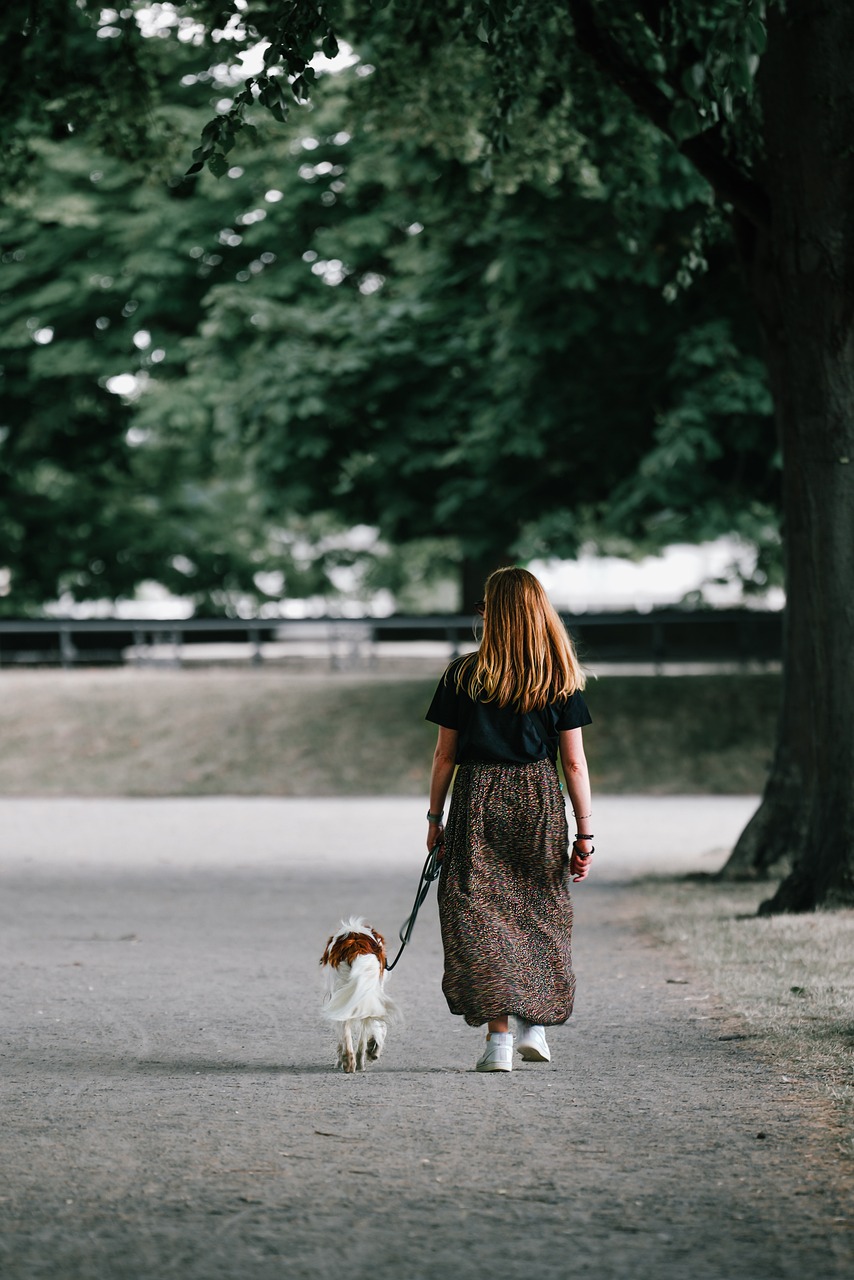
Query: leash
[{"x": 430, "y": 872}]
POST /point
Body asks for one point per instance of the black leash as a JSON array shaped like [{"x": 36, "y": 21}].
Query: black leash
[{"x": 430, "y": 872}]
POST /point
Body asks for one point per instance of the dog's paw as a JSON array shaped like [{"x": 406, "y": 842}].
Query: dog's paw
[{"x": 346, "y": 1060}]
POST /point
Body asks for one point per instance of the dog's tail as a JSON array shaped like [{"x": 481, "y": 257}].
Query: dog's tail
[{"x": 360, "y": 993}]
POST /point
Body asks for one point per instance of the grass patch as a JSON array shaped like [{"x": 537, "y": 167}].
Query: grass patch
[
  {"x": 210, "y": 733},
  {"x": 682, "y": 735},
  {"x": 790, "y": 977},
  {"x": 268, "y": 732}
]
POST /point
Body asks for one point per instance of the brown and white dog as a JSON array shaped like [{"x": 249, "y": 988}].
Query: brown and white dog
[{"x": 354, "y": 967}]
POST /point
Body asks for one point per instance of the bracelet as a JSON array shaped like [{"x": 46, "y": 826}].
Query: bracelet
[
  {"x": 579, "y": 817},
  {"x": 582, "y": 856},
  {"x": 435, "y": 817},
  {"x": 579, "y": 835}
]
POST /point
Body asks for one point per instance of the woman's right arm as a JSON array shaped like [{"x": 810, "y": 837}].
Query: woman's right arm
[
  {"x": 574, "y": 763},
  {"x": 444, "y": 763}
]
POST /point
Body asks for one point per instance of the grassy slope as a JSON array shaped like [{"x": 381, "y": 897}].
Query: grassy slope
[{"x": 271, "y": 733}]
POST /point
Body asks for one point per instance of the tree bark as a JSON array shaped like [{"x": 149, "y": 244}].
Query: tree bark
[{"x": 801, "y": 273}]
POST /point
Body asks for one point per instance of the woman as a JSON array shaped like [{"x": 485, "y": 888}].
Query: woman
[{"x": 503, "y": 714}]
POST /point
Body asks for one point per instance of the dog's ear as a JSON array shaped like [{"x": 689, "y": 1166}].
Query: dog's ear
[
  {"x": 380, "y": 941},
  {"x": 324, "y": 959}
]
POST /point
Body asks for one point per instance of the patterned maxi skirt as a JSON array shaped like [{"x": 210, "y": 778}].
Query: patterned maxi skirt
[{"x": 504, "y": 903}]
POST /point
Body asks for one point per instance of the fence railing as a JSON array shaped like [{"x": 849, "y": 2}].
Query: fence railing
[{"x": 664, "y": 636}]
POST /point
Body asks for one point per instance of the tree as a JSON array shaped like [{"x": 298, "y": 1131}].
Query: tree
[
  {"x": 423, "y": 380},
  {"x": 89, "y": 504},
  {"x": 768, "y": 128},
  {"x": 784, "y": 167},
  {"x": 433, "y": 357},
  {"x": 105, "y": 267}
]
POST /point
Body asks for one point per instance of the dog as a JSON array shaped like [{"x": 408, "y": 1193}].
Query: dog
[{"x": 354, "y": 969}]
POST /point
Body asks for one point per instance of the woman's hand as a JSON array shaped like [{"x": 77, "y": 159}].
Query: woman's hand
[
  {"x": 579, "y": 865},
  {"x": 436, "y": 836}
]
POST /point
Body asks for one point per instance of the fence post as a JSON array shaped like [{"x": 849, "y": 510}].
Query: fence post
[
  {"x": 67, "y": 652},
  {"x": 658, "y": 646},
  {"x": 139, "y": 645},
  {"x": 255, "y": 641},
  {"x": 176, "y": 637}
]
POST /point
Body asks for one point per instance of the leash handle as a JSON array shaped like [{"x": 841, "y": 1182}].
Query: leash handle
[{"x": 430, "y": 872}]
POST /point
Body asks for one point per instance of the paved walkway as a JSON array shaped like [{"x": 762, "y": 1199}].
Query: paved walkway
[{"x": 169, "y": 1110}]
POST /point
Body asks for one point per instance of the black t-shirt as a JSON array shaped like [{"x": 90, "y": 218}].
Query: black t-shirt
[{"x": 499, "y": 735}]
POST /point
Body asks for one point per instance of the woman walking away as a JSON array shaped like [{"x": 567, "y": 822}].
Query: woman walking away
[{"x": 504, "y": 906}]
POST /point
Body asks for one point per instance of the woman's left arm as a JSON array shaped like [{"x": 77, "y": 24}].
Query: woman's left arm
[
  {"x": 444, "y": 762},
  {"x": 575, "y": 771}
]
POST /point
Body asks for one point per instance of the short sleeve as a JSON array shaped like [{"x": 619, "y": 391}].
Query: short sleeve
[
  {"x": 574, "y": 714},
  {"x": 444, "y": 710}
]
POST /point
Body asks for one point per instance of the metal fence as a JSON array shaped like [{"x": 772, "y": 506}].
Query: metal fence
[{"x": 663, "y": 637}]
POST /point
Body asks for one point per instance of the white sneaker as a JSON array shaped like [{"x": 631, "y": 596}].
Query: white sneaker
[
  {"x": 531, "y": 1043},
  {"x": 498, "y": 1053}
]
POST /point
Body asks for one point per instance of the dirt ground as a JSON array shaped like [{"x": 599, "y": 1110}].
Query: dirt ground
[{"x": 169, "y": 1107}]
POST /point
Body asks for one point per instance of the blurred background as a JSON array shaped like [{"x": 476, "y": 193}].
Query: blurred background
[{"x": 280, "y": 419}]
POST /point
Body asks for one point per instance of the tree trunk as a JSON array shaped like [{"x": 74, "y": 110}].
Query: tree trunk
[{"x": 802, "y": 277}]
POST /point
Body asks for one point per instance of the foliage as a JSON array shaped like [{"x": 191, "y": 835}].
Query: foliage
[
  {"x": 688, "y": 66},
  {"x": 74, "y": 68},
  {"x": 441, "y": 355},
  {"x": 104, "y": 273},
  {"x": 514, "y": 319}
]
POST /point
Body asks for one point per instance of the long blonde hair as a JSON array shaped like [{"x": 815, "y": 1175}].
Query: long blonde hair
[{"x": 526, "y": 657}]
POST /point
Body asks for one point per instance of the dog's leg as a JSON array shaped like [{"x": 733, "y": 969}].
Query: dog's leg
[
  {"x": 360, "y": 1049},
  {"x": 376, "y": 1038},
  {"x": 348, "y": 1057}
]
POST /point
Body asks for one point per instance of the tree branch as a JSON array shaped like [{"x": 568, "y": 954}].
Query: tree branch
[{"x": 729, "y": 181}]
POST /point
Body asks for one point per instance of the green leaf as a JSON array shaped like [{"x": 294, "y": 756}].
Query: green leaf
[
  {"x": 300, "y": 89},
  {"x": 271, "y": 93},
  {"x": 742, "y": 72},
  {"x": 685, "y": 121},
  {"x": 693, "y": 80},
  {"x": 756, "y": 32},
  {"x": 218, "y": 164}
]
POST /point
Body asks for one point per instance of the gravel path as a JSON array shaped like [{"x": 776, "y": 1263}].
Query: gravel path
[{"x": 169, "y": 1108}]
